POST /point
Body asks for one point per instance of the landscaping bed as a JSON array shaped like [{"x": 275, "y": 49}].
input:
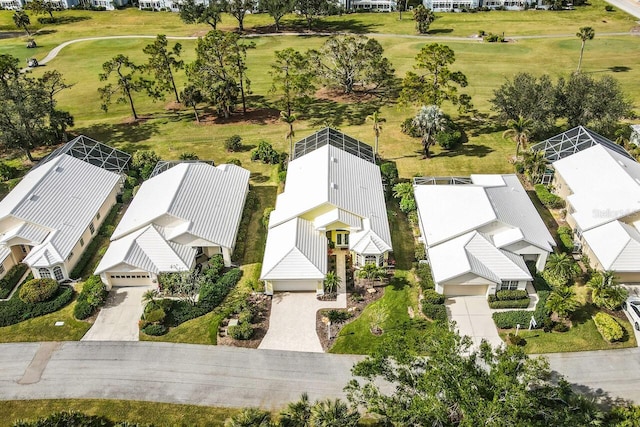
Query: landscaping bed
[
  {"x": 11, "y": 279},
  {"x": 357, "y": 300},
  {"x": 259, "y": 323}
]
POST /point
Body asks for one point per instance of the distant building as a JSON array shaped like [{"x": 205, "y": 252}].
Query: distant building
[
  {"x": 458, "y": 5},
  {"x": 369, "y": 5},
  {"x": 20, "y": 4}
]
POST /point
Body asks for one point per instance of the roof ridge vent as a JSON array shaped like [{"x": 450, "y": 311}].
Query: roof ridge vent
[
  {"x": 59, "y": 169},
  {"x": 334, "y": 159},
  {"x": 334, "y": 185},
  {"x": 34, "y": 197}
]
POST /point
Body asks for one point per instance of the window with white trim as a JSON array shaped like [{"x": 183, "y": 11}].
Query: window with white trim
[
  {"x": 57, "y": 273},
  {"x": 44, "y": 273},
  {"x": 370, "y": 259},
  {"x": 509, "y": 285}
]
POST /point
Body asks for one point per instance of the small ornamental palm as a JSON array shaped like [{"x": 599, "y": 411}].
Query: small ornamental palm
[
  {"x": 560, "y": 269},
  {"x": 250, "y": 417},
  {"x": 297, "y": 414},
  {"x": 520, "y": 131},
  {"x": 605, "y": 290},
  {"x": 562, "y": 301},
  {"x": 332, "y": 282},
  {"x": 333, "y": 413}
]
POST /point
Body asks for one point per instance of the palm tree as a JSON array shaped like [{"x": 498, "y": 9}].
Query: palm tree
[
  {"x": 21, "y": 19},
  {"x": 149, "y": 296},
  {"x": 520, "y": 131},
  {"x": 297, "y": 414},
  {"x": 535, "y": 165},
  {"x": 562, "y": 301},
  {"x": 606, "y": 291},
  {"x": 429, "y": 121},
  {"x": 585, "y": 33},
  {"x": 250, "y": 417},
  {"x": 377, "y": 127},
  {"x": 332, "y": 282},
  {"x": 559, "y": 269},
  {"x": 333, "y": 413},
  {"x": 289, "y": 118},
  {"x": 371, "y": 272}
]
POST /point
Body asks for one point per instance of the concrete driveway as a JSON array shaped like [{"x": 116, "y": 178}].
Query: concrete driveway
[
  {"x": 473, "y": 318},
  {"x": 292, "y": 325},
  {"x": 118, "y": 319}
]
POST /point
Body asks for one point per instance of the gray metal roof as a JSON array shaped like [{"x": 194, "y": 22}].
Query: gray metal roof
[
  {"x": 164, "y": 165},
  {"x": 93, "y": 152},
  {"x": 573, "y": 141},
  {"x": 335, "y": 138}
]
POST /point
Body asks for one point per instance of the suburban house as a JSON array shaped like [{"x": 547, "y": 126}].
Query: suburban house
[
  {"x": 479, "y": 232},
  {"x": 333, "y": 201},
  {"x": 459, "y": 5},
  {"x": 369, "y": 5},
  {"x": 184, "y": 214},
  {"x": 19, "y": 4},
  {"x": 50, "y": 217},
  {"x": 600, "y": 183}
]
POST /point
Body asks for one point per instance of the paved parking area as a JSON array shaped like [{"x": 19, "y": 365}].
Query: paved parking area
[
  {"x": 118, "y": 319},
  {"x": 292, "y": 325},
  {"x": 473, "y": 318}
]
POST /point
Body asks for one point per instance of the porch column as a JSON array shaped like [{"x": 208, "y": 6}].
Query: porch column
[{"x": 226, "y": 256}]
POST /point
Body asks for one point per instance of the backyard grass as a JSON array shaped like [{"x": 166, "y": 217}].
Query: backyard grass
[
  {"x": 43, "y": 328},
  {"x": 144, "y": 413}
]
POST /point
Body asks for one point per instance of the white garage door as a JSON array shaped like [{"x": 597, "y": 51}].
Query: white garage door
[
  {"x": 130, "y": 279},
  {"x": 294, "y": 286},
  {"x": 463, "y": 290}
]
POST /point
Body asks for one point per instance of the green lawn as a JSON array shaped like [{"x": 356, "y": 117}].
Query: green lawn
[
  {"x": 145, "y": 413},
  {"x": 43, "y": 328}
]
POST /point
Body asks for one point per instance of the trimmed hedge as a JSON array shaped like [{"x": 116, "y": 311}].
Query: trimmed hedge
[
  {"x": 423, "y": 271},
  {"x": 92, "y": 247},
  {"x": 509, "y": 319},
  {"x": 15, "y": 310},
  {"x": 436, "y": 312},
  {"x": 507, "y": 295},
  {"x": 608, "y": 327},
  {"x": 432, "y": 297},
  {"x": 547, "y": 198},
  {"x": 242, "y": 331},
  {"x": 155, "y": 330},
  {"x": 38, "y": 290},
  {"x": 10, "y": 280},
  {"x": 566, "y": 238},
  {"x": 518, "y": 303},
  {"x": 94, "y": 294}
]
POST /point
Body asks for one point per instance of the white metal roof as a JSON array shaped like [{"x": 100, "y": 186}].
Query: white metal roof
[
  {"x": 331, "y": 176},
  {"x": 62, "y": 196},
  {"x": 147, "y": 249},
  {"x": 195, "y": 199},
  {"x": 605, "y": 185},
  {"x": 294, "y": 250},
  {"x": 448, "y": 211},
  {"x": 616, "y": 245},
  {"x": 474, "y": 253}
]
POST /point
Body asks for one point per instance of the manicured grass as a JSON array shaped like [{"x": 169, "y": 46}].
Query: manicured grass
[
  {"x": 145, "y": 413},
  {"x": 204, "y": 329},
  {"x": 43, "y": 328}
]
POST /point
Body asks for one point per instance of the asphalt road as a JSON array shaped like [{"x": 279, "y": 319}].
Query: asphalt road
[{"x": 235, "y": 377}]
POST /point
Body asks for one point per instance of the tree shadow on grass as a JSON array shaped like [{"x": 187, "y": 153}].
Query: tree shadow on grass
[
  {"x": 123, "y": 133},
  {"x": 479, "y": 125},
  {"x": 258, "y": 178},
  {"x": 469, "y": 150},
  {"x": 331, "y": 113},
  {"x": 318, "y": 26},
  {"x": 583, "y": 314},
  {"x": 61, "y": 20},
  {"x": 440, "y": 31}
]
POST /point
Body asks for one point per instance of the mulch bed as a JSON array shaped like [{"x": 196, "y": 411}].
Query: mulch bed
[
  {"x": 260, "y": 324},
  {"x": 356, "y": 309}
]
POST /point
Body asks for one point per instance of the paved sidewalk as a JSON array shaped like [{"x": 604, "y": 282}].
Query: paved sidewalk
[
  {"x": 292, "y": 325},
  {"x": 118, "y": 319},
  {"x": 473, "y": 318}
]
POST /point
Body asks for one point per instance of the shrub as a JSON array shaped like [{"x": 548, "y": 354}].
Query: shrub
[
  {"x": 155, "y": 330},
  {"x": 266, "y": 214},
  {"x": 246, "y": 316},
  {"x": 212, "y": 294},
  {"x": 420, "y": 251},
  {"x": 608, "y": 327},
  {"x": 243, "y": 331},
  {"x": 389, "y": 172},
  {"x": 236, "y": 162},
  {"x": 15, "y": 310},
  {"x": 156, "y": 315},
  {"x": 7, "y": 172},
  {"x": 143, "y": 161},
  {"x": 509, "y": 319},
  {"x": 338, "y": 316},
  {"x": 215, "y": 267},
  {"x": 609, "y": 8},
  {"x": 432, "y": 297},
  {"x": 423, "y": 271},
  {"x": 516, "y": 340},
  {"x": 436, "y": 312},
  {"x": 233, "y": 143},
  {"x": 282, "y": 176},
  {"x": 566, "y": 238},
  {"x": 82, "y": 310},
  {"x": 507, "y": 295},
  {"x": 560, "y": 327},
  {"x": 10, "y": 280},
  {"x": 449, "y": 139},
  {"x": 547, "y": 198},
  {"x": 265, "y": 153},
  {"x": 38, "y": 290},
  {"x": 520, "y": 303}
]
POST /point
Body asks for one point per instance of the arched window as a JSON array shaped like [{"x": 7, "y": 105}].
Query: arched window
[
  {"x": 370, "y": 259},
  {"x": 44, "y": 273},
  {"x": 57, "y": 273}
]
